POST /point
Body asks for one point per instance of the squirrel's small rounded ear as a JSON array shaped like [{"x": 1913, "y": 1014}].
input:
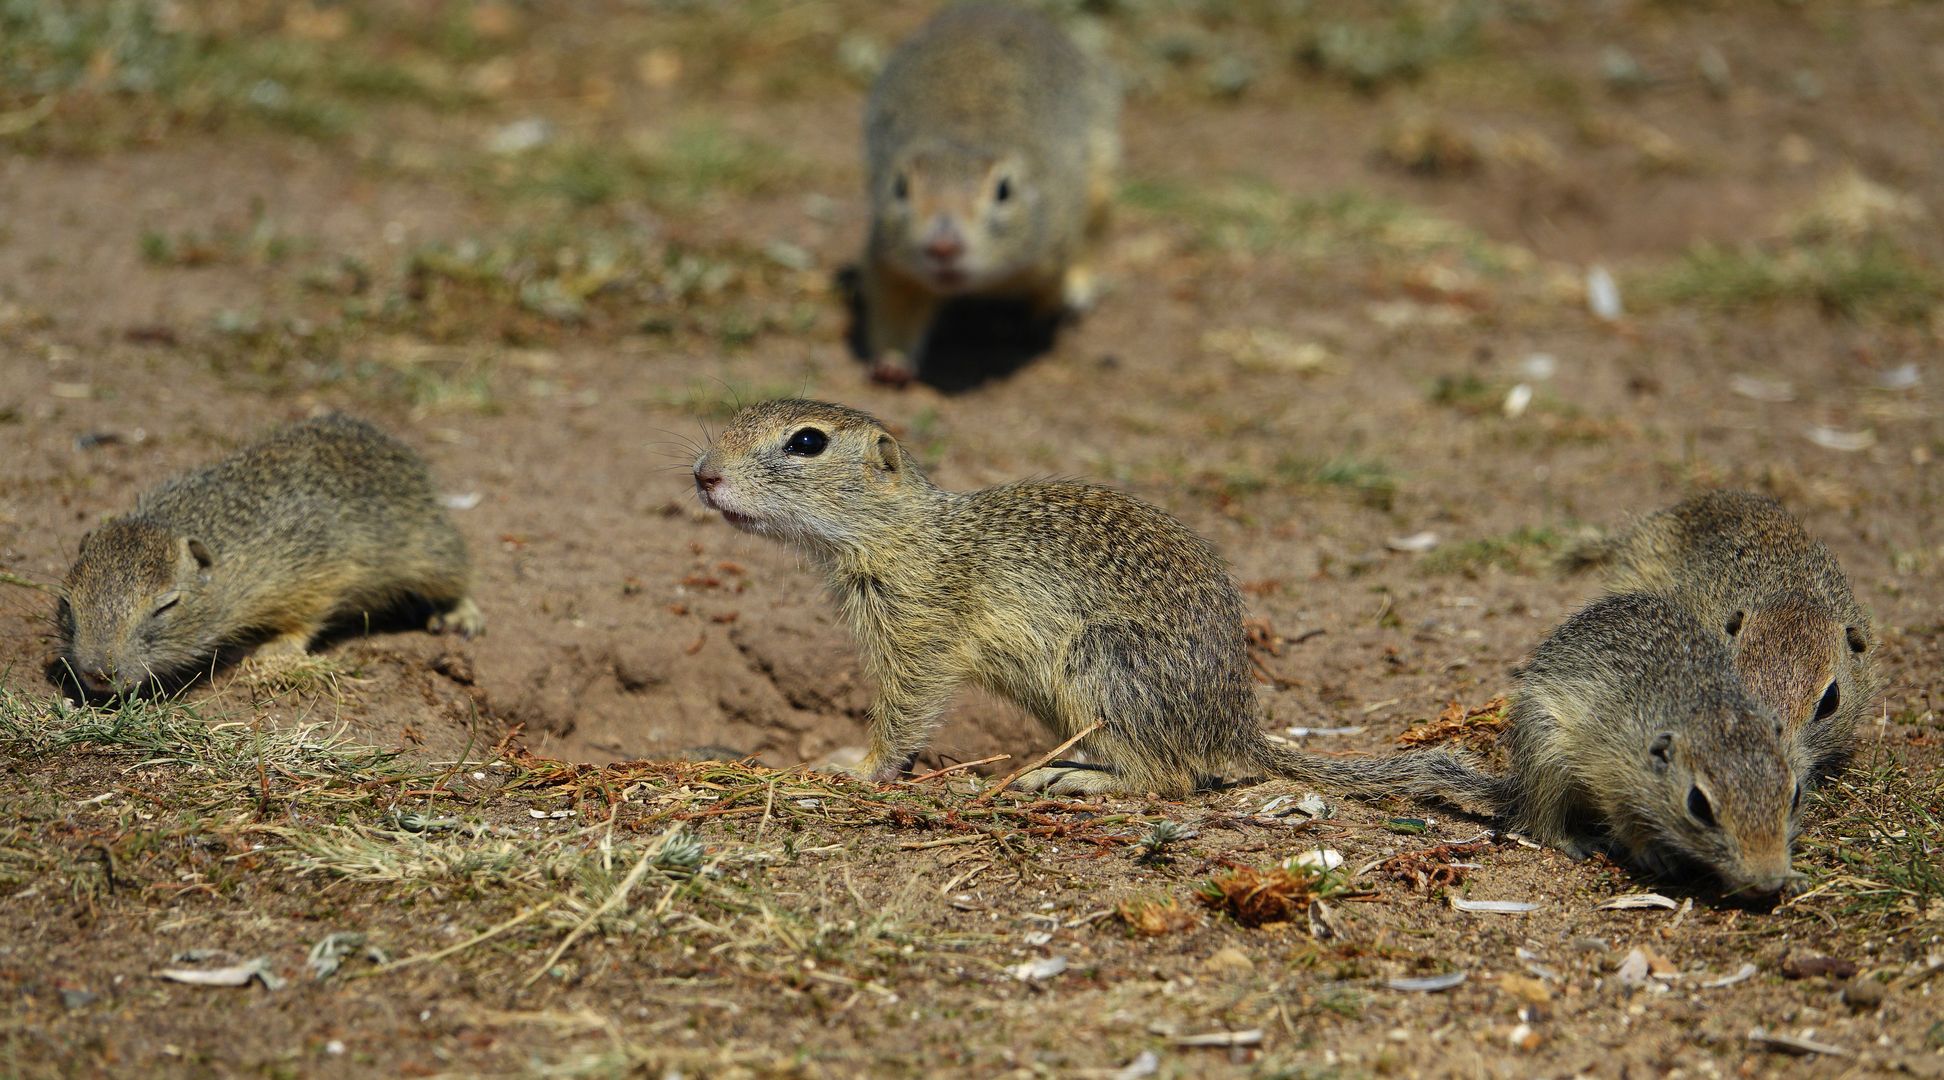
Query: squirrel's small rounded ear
[
  {"x": 1733, "y": 625},
  {"x": 890, "y": 457},
  {"x": 200, "y": 553},
  {"x": 1858, "y": 638},
  {"x": 1662, "y": 749}
]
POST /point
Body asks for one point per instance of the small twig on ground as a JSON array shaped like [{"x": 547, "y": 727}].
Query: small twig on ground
[
  {"x": 769, "y": 807},
  {"x": 962, "y": 838},
  {"x": 1037, "y": 762},
  {"x": 960, "y": 767},
  {"x": 263, "y": 771},
  {"x": 462, "y": 946},
  {"x": 614, "y": 900}
]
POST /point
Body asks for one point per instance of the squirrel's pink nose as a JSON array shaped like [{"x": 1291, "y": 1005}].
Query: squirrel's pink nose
[
  {"x": 944, "y": 244},
  {"x": 707, "y": 477}
]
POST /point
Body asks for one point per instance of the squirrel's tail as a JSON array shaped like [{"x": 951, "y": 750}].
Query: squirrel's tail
[
  {"x": 1587, "y": 551},
  {"x": 1422, "y": 774}
]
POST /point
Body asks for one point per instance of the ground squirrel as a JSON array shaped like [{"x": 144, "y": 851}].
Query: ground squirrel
[
  {"x": 1632, "y": 734},
  {"x": 1743, "y": 565},
  {"x": 321, "y": 522},
  {"x": 990, "y": 143},
  {"x": 1077, "y": 603}
]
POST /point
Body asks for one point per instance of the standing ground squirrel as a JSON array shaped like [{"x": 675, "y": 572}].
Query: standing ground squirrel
[
  {"x": 320, "y": 522},
  {"x": 1077, "y": 603},
  {"x": 1741, "y": 564},
  {"x": 990, "y": 143},
  {"x": 1631, "y": 733}
]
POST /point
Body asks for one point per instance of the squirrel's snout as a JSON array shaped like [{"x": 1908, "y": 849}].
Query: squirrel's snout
[
  {"x": 944, "y": 244},
  {"x": 95, "y": 680},
  {"x": 1772, "y": 877},
  {"x": 707, "y": 478}
]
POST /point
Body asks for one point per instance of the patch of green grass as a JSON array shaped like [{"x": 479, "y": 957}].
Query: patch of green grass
[
  {"x": 261, "y": 244},
  {"x": 1883, "y": 846},
  {"x": 1372, "y": 54},
  {"x": 1254, "y": 216},
  {"x": 679, "y": 170},
  {"x": 1524, "y": 550},
  {"x": 1373, "y": 482},
  {"x": 1467, "y": 393},
  {"x": 542, "y": 280},
  {"x": 95, "y": 75},
  {"x": 170, "y": 732},
  {"x": 1871, "y": 278}
]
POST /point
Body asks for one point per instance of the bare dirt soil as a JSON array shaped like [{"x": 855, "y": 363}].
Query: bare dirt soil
[{"x": 554, "y": 245}]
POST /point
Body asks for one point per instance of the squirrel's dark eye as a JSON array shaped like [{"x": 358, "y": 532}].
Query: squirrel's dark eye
[
  {"x": 1003, "y": 192},
  {"x": 1796, "y": 802},
  {"x": 1701, "y": 809},
  {"x": 1831, "y": 698},
  {"x": 807, "y": 442},
  {"x": 167, "y": 602},
  {"x": 900, "y": 188}
]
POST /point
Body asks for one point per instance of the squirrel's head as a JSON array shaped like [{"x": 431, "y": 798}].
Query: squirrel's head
[
  {"x": 1801, "y": 659},
  {"x": 955, "y": 218},
  {"x": 809, "y": 473},
  {"x": 1726, "y": 795},
  {"x": 133, "y": 607}
]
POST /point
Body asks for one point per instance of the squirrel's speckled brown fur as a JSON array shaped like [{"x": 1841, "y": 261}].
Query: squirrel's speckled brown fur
[
  {"x": 990, "y": 144},
  {"x": 1744, "y": 567},
  {"x": 319, "y": 522},
  {"x": 1077, "y": 603}
]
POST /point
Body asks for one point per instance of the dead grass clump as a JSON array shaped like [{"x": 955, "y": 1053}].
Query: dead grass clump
[
  {"x": 1153, "y": 916},
  {"x": 1476, "y": 728},
  {"x": 1431, "y": 868},
  {"x": 1258, "y": 897}
]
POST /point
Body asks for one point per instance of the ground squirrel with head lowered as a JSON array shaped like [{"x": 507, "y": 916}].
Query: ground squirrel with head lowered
[
  {"x": 1740, "y": 563},
  {"x": 1077, "y": 603},
  {"x": 990, "y": 143},
  {"x": 1632, "y": 734},
  {"x": 321, "y": 522}
]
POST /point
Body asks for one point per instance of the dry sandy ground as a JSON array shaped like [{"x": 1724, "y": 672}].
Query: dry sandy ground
[{"x": 1303, "y": 352}]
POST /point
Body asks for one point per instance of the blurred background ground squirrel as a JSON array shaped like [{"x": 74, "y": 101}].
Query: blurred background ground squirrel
[
  {"x": 1741, "y": 564},
  {"x": 990, "y": 144},
  {"x": 1077, "y": 603},
  {"x": 322, "y": 522}
]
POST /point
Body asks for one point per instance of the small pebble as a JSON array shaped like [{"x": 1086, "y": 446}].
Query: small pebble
[
  {"x": 1229, "y": 961},
  {"x": 1863, "y": 994}
]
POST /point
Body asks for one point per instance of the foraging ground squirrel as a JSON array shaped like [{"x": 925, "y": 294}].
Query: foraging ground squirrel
[
  {"x": 990, "y": 143},
  {"x": 1632, "y": 733},
  {"x": 1077, "y": 603},
  {"x": 321, "y": 522},
  {"x": 1743, "y": 565}
]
